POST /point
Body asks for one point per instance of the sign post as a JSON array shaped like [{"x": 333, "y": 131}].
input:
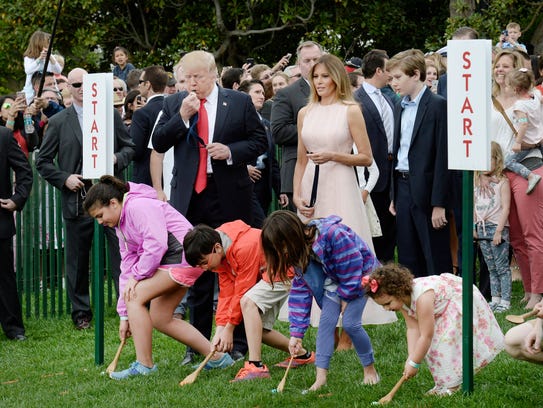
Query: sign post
[
  {"x": 468, "y": 116},
  {"x": 97, "y": 125},
  {"x": 98, "y": 151}
]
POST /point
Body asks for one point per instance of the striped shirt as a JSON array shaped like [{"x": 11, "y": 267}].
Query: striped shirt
[{"x": 345, "y": 259}]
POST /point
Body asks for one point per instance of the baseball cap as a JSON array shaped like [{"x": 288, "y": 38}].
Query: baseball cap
[{"x": 353, "y": 63}]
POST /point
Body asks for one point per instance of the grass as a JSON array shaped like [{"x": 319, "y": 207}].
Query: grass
[{"x": 55, "y": 368}]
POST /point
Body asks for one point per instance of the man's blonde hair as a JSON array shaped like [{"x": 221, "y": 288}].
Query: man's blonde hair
[{"x": 198, "y": 59}]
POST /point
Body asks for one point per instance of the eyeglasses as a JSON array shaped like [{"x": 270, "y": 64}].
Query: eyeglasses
[
  {"x": 118, "y": 89},
  {"x": 295, "y": 76},
  {"x": 6, "y": 105},
  {"x": 77, "y": 84}
]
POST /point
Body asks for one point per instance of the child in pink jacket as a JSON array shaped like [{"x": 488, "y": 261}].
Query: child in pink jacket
[{"x": 153, "y": 269}]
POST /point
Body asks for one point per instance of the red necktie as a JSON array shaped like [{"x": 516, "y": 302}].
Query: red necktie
[{"x": 203, "y": 131}]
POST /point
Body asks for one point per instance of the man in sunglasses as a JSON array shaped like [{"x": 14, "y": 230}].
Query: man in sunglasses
[{"x": 60, "y": 163}]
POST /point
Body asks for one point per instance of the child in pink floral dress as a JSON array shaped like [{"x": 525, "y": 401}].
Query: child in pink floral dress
[{"x": 432, "y": 308}]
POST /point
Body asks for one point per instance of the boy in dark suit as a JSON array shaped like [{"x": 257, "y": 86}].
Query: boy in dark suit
[{"x": 421, "y": 177}]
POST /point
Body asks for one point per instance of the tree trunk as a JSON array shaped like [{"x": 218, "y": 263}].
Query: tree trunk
[{"x": 537, "y": 39}]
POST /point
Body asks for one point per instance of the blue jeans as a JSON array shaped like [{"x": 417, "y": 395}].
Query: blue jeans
[
  {"x": 352, "y": 324},
  {"x": 497, "y": 260},
  {"x": 512, "y": 162}
]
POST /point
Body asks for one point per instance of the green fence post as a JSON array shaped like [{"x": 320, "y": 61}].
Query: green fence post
[
  {"x": 467, "y": 282},
  {"x": 98, "y": 292}
]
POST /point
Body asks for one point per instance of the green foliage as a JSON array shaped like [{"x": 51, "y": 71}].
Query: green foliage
[
  {"x": 159, "y": 31},
  {"x": 490, "y": 20}
]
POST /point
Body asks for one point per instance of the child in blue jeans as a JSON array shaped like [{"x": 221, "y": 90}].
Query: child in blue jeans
[
  {"x": 329, "y": 260},
  {"x": 491, "y": 211}
]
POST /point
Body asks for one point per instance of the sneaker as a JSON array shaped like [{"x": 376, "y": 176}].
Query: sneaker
[
  {"x": 532, "y": 182},
  {"x": 297, "y": 362},
  {"x": 136, "y": 368},
  {"x": 493, "y": 305},
  {"x": 501, "y": 308},
  {"x": 250, "y": 372},
  {"x": 223, "y": 362}
]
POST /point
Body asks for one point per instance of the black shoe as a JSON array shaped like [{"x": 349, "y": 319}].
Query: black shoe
[
  {"x": 18, "y": 337},
  {"x": 237, "y": 355},
  {"x": 82, "y": 323},
  {"x": 188, "y": 359}
]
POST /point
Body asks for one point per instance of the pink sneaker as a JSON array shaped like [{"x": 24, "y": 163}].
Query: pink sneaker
[{"x": 250, "y": 372}]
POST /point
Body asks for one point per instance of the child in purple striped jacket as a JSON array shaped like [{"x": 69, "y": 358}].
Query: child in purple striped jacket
[{"x": 329, "y": 261}]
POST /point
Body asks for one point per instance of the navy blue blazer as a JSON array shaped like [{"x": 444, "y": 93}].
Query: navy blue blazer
[
  {"x": 238, "y": 126},
  {"x": 143, "y": 121},
  {"x": 428, "y": 165},
  {"x": 377, "y": 136}
]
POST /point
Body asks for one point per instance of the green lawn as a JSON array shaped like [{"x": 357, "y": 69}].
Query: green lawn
[{"x": 55, "y": 368}]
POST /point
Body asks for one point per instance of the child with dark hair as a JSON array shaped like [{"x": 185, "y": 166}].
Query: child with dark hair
[
  {"x": 154, "y": 274},
  {"x": 122, "y": 66},
  {"x": 329, "y": 260},
  {"x": 432, "y": 308},
  {"x": 240, "y": 261},
  {"x": 233, "y": 251}
]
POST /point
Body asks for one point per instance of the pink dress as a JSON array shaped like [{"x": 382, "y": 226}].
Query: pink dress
[
  {"x": 444, "y": 358},
  {"x": 325, "y": 128}
]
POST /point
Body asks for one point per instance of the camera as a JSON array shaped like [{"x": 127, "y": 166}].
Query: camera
[
  {"x": 250, "y": 62},
  {"x": 505, "y": 33}
]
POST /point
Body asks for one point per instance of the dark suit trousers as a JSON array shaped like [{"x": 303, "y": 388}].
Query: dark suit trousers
[
  {"x": 205, "y": 208},
  {"x": 384, "y": 245},
  {"x": 79, "y": 235},
  {"x": 421, "y": 248},
  {"x": 11, "y": 317}
]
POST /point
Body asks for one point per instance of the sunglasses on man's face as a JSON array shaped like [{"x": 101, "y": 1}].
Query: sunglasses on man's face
[{"x": 77, "y": 84}]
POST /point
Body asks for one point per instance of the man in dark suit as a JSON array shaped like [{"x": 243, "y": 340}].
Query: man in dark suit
[
  {"x": 284, "y": 115},
  {"x": 11, "y": 158},
  {"x": 153, "y": 81},
  {"x": 60, "y": 163},
  {"x": 378, "y": 111},
  {"x": 215, "y": 133},
  {"x": 421, "y": 177}
]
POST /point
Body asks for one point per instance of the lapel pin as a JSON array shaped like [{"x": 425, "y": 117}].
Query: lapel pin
[{"x": 224, "y": 104}]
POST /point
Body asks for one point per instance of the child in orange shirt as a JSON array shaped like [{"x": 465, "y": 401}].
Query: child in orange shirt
[{"x": 234, "y": 251}]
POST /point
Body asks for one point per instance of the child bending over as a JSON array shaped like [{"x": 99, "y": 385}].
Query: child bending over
[
  {"x": 432, "y": 308},
  {"x": 154, "y": 274},
  {"x": 329, "y": 260}
]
